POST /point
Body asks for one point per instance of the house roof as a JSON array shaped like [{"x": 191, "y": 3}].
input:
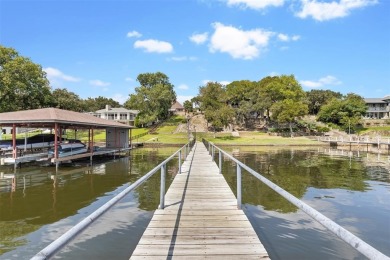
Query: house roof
[
  {"x": 117, "y": 109},
  {"x": 49, "y": 116},
  {"x": 177, "y": 105},
  {"x": 375, "y": 100}
]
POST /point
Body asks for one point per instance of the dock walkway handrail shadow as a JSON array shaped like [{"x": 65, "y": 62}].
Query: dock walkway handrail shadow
[{"x": 345, "y": 235}]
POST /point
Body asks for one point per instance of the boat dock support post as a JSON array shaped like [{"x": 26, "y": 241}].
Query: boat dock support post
[
  {"x": 239, "y": 191},
  {"x": 162, "y": 187},
  {"x": 180, "y": 162}
]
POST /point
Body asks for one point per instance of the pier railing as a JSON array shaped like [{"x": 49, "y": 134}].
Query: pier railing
[
  {"x": 345, "y": 235},
  {"x": 356, "y": 140},
  {"x": 68, "y": 236}
]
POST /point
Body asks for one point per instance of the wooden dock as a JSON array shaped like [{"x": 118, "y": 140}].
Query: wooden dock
[{"x": 200, "y": 219}]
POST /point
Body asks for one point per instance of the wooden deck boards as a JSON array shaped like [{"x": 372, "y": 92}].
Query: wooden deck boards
[{"x": 200, "y": 219}]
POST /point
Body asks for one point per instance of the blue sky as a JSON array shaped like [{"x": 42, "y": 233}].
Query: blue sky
[{"x": 98, "y": 48}]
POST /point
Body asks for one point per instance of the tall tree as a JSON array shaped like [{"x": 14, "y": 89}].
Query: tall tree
[
  {"x": 288, "y": 99},
  {"x": 318, "y": 97},
  {"x": 153, "y": 98},
  {"x": 346, "y": 112},
  {"x": 23, "y": 84},
  {"x": 94, "y": 104},
  {"x": 67, "y": 100},
  {"x": 213, "y": 101},
  {"x": 188, "y": 106}
]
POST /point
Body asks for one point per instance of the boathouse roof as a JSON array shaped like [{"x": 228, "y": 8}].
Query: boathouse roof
[{"x": 48, "y": 116}]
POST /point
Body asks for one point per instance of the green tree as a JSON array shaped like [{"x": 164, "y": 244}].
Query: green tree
[
  {"x": 153, "y": 98},
  {"x": 288, "y": 110},
  {"x": 187, "y": 106},
  {"x": 284, "y": 97},
  {"x": 213, "y": 101},
  {"x": 317, "y": 98},
  {"x": 67, "y": 100},
  {"x": 288, "y": 99},
  {"x": 346, "y": 112},
  {"x": 23, "y": 84},
  {"x": 94, "y": 104},
  {"x": 243, "y": 96}
]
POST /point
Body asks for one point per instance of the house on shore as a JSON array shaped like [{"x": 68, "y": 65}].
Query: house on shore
[
  {"x": 119, "y": 114},
  {"x": 177, "y": 109},
  {"x": 378, "y": 108}
]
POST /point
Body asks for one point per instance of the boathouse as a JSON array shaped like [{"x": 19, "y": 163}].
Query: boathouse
[{"x": 117, "y": 134}]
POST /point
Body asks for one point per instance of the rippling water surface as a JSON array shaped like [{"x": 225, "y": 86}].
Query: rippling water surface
[{"x": 353, "y": 189}]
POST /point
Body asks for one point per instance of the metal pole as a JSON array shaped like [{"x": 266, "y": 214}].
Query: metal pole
[
  {"x": 162, "y": 187},
  {"x": 180, "y": 162},
  {"x": 238, "y": 186},
  {"x": 220, "y": 161}
]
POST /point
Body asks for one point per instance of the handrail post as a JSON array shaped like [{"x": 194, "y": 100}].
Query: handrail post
[
  {"x": 162, "y": 187},
  {"x": 220, "y": 161},
  {"x": 212, "y": 153},
  {"x": 209, "y": 148},
  {"x": 239, "y": 190},
  {"x": 180, "y": 162}
]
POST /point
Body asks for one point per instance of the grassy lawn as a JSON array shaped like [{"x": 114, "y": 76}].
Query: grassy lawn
[
  {"x": 384, "y": 131},
  {"x": 256, "y": 138}
]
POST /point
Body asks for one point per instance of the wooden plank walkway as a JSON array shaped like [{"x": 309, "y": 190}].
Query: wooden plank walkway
[{"x": 200, "y": 219}]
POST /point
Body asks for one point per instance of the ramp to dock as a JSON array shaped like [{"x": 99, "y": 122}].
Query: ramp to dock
[{"x": 200, "y": 219}]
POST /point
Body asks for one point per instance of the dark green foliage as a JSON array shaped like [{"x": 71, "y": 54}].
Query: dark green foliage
[
  {"x": 67, "y": 100},
  {"x": 213, "y": 101},
  {"x": 153, "y": 98},
  {"x": 317, "y": 98},
  {"x": 346, "y": 112},
  {"x": 94, "y": 104},
  {"x": 23, "y": 84},
  {"x": 188, "y": 106}
]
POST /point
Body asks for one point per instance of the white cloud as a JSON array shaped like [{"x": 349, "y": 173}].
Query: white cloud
[
  {"x": 99, "y": 83},
  {"x": 295, "y": 37},
  {"x": 199, "y": 38},
  {"x": 323, "y": 11},
  {"x": 183, "y": 86},
  {"x": 325, "y": 81},
  {"x": 182, "y": 58},
  {"x": 255, "y": 4},
  {"x": 205, "y": 81},
  {"x": 238, "y": 43},
  {"x": 181, "y": 99},
  {"x": 129, "y": 79},
  {"x": 223, "y": 82},
  {"x": 120, "y": 98},
  {"x": 54, "y": 74},
  {"x": 283, "y": 37},
  {"x": 154, "y": 46},
  {"x": 286, "y": 38},
  {"x": 133, "y": 34}
]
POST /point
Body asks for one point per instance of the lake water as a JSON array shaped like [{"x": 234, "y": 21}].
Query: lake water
[{"x": 352, "y": 189}]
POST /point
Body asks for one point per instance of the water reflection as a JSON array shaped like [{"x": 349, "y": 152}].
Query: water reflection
[
  {"x": 35, "y": 196},
  {"x": 350, "y": 187}
]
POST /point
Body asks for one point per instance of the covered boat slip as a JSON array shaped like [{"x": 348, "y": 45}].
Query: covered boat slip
[{"x": 117, "y": 134}]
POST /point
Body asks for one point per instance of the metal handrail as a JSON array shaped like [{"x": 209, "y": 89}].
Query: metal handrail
[
  {"x": 65, "y": 238},
  {"x": 345, "y": 235}
]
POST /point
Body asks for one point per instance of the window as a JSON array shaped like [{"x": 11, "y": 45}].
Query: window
[
  {"x": 111, "y": 116},
  {"x": 123, "y": 116}
]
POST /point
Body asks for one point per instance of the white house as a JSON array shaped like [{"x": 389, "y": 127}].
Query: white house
[
  {"x": 378, "y": 108},
  {"x": 119, "y": 114}
]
